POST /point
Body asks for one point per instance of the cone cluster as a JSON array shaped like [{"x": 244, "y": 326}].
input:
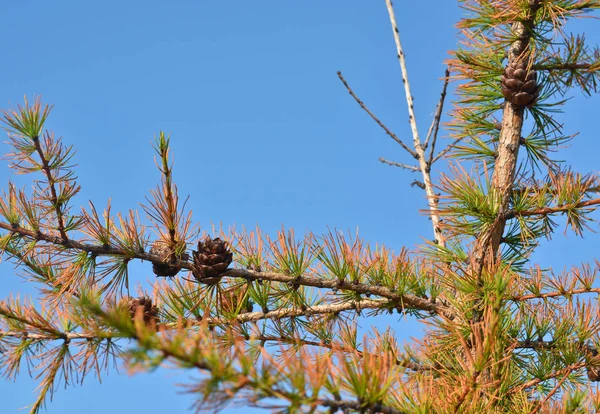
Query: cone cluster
[
  {"x": 519, "y": 85},
  {"x": 144, "y": 308},
  {"x": 211, "y": 260}
]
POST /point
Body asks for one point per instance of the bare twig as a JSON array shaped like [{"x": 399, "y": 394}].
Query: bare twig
[
  {"x": 381, "y": 124},
  {"x": 420, "y": 152},
  {"x": 398, "y": 164},
  {"x": 435, "y": 124},
  {"x": 446, "y": 150},
  {"x": 409, "y": 301}
]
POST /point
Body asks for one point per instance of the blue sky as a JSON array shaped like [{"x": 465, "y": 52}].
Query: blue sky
[{"x": 263, "y": 132}]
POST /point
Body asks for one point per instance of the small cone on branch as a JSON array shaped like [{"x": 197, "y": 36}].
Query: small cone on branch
[
  {"x": 519, "y": 84},
  {"x": 143, "y": 308},
  {"x": 592, "y": 366},
  {"x": 212, "y": 258},
  {"x": 165, "y": 269}
]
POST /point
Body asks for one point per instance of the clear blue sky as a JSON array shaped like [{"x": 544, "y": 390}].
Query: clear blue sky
[{"x": 262, "y": 130}]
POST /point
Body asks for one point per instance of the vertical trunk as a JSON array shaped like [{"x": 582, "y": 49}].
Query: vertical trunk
[{"x": 488, "y": 243}]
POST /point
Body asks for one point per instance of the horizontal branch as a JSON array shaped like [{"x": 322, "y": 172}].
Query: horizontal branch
[
  {"x": 555, "y": 294},
  {"x": 72, "y": 336},
  {"x": 551, "y": 344},
  {"x": 66, "y": 336},
  {"x": 77, "y": 245},
  {"x": 555, "y": 374},
  {"x": 551, "y": 210},
  {"x": 357, "y": 406},
  {"x": 314, "y": 310},
  {"x": 566, "y": 66},
  {"x": 406, "y": 301},
  {"x": 322, "y": 344},
  {"x": 244, "y": 381},
  {"x": 398, "y": 164}
]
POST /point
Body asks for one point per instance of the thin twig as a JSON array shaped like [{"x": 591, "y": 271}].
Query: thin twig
[
  {"x": 446, "y": 150},
  {"x": 551, "y": 210},
  {"x": 398, "y": 164},
  {"x": 536, "y": 381},
  {"x": 381, "y": 124},
  {"x": 435, "y": 124},
  {"x": 52, "y": 184},
  {"x": 565, "y": 66},
  {"x": 587, "y": 348},
  {"x": 565, "y": 293},
  {"x": 551, "y": 393}
]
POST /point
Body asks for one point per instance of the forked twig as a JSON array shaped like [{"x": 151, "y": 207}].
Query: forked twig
[
  {"x": 435, "y": 124},
  {"x": 381, "y": 124}
]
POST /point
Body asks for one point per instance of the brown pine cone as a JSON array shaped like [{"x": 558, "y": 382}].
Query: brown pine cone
[
  {"x": 162, "y": 269},
  {"x": 212, "y": 258},
  {"x": 143, "y": 308},
  {"x": 519, "y": 85},
  {"x": 592, "y": 367}
]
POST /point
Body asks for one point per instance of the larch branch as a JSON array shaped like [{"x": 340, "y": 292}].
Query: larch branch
[
  {"x": 408, "y": 301},
  {"x": 355, "y": 405},
  {"x": 52, "y": 184},
  {"x": 547, "y": 295},
  {"x": 551, "y": 210}
]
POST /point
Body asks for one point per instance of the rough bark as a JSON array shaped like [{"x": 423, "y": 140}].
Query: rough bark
[{"x": 488, "y": 243}]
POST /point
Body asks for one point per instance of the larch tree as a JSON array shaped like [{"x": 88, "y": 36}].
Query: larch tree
[{"x": 272, "y": 320}]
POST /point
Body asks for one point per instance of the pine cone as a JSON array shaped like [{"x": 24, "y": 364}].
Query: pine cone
[
  {"x": 592, "y": 367},
  {"x": 519, "y": 86},
  {"x": 162, "y": 269},
  {"x": 144, "y": 308},
  {"x": 212, "y": 258}
]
